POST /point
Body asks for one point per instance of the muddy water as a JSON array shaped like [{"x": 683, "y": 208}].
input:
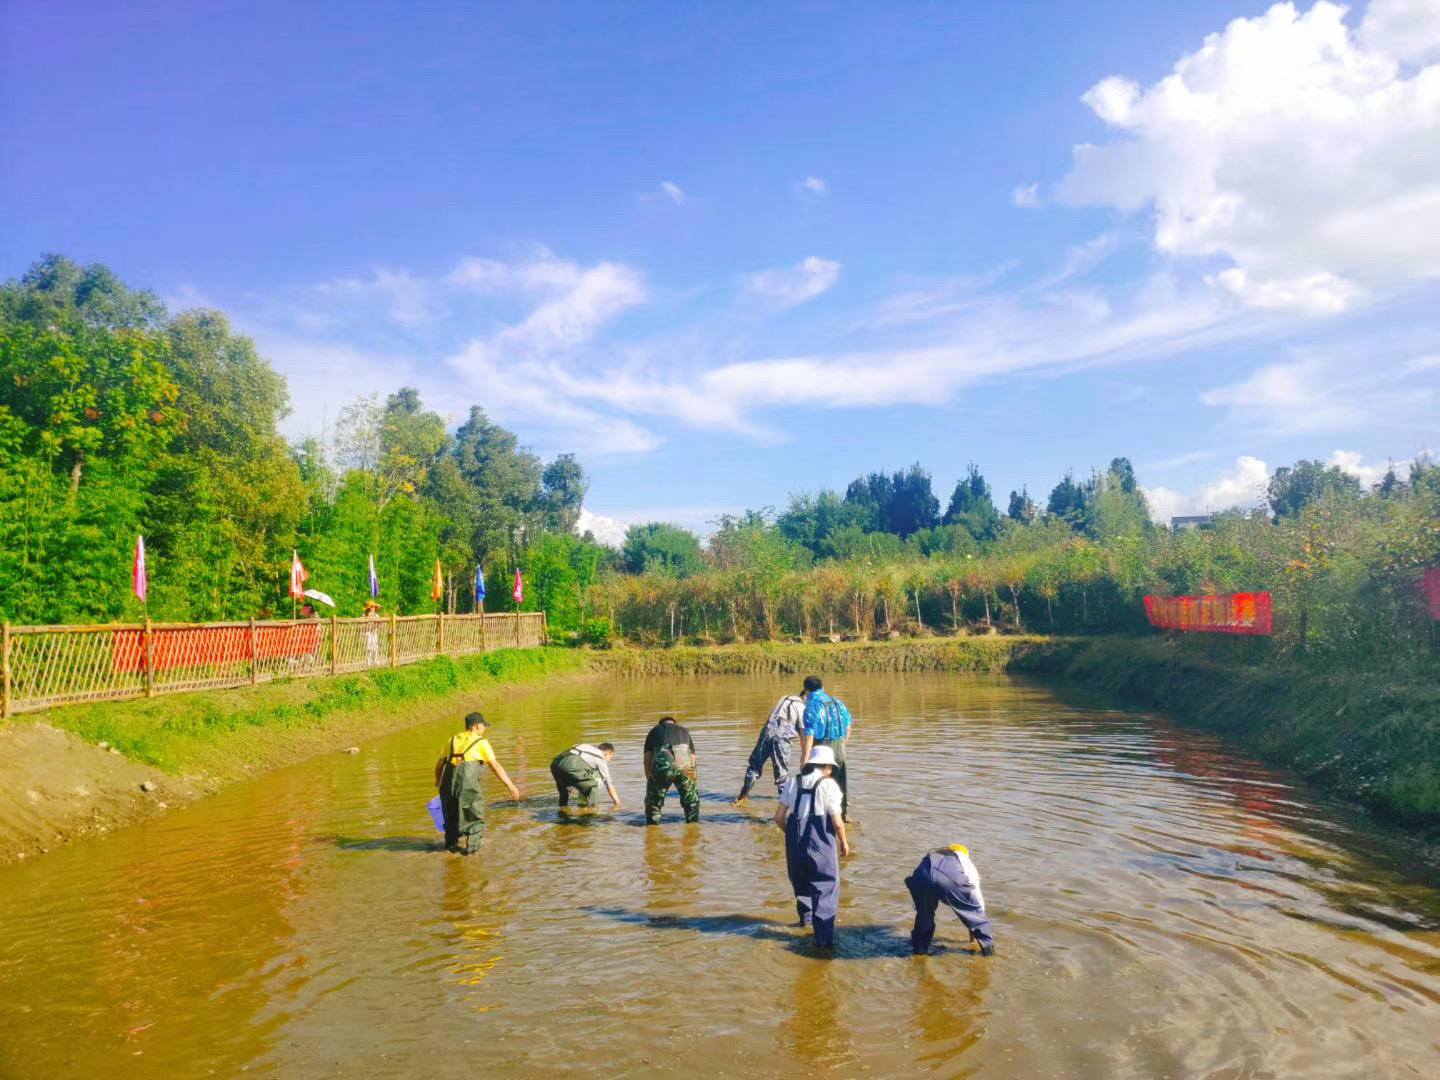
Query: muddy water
[{"x": 1163, "y": 907}]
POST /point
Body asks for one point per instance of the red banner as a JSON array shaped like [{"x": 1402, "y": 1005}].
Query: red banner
[
  {"x": 1232, "y": 613},
  {"x": 202, "y": 646},
  {"x": 1430, "y": 586}
]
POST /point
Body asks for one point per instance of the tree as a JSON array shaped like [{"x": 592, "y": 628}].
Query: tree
[
  {"x": 661, "y": 548},
  {"x": 1291, "y": 489},
  {"x": 563, "y": 487},
  {"x": 506, "y": 481},
  {"x": 971, "y": 506},
  {"x": 1022, "y": 508},
  {"x": 1067, "y": 502}
]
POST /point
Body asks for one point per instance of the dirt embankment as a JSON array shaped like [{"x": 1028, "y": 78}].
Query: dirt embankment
[{"x": 56, "y": 787}]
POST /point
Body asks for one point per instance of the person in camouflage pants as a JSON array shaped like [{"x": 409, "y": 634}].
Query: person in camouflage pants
[{"x": 670, "y": 760}]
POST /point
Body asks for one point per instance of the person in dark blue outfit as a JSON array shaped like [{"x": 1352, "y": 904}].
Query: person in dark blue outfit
[
  {"x": 809, "y": 812},
  {"x": 947, "y": 874}
]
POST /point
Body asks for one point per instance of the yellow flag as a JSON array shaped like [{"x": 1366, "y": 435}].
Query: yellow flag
[{"x": 438, "y": 589}]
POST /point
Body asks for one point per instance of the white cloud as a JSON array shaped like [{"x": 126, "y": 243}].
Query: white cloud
[
  {"x": 1291, "y": 399},
  {"x": 1408, "y": 30},
  {"x": 1027, "y": 198},
  {"x": 410, "y": 301},
  {"x": 787, "y": 287},
  {"x": 812, "y": 187},
  {"x": 1369, "y": 475},
  {"x": 1423, "y": 363},
  {"x": 607, "y": 530},
  {"x": 1301, "y": 153},
  {"x": 673, "y": 191},
  {"x": 1242, "y": 485}
]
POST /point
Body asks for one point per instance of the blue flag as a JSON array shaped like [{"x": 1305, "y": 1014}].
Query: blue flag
[
  {"x": 374, "y": 581},
  {"x": 479, "y": 587}
]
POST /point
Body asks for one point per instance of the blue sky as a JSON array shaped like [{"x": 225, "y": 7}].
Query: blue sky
[{"x": 729, "y": 252}]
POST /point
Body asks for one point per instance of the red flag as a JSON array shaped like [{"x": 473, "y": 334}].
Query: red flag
[
  {"x": 519, "y": 588},
  {"x": 138, "y": 579},
  {"x": 298, "y": 576}
]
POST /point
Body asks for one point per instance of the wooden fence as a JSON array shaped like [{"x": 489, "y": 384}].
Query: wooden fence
[{"x": 45, "y": 666}]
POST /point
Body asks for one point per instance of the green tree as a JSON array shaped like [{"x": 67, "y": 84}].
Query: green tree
[
  {"x": 1291, "y": 489},
  {"x": 972, "y": 507},
  {"x": 661, "y": 548}
]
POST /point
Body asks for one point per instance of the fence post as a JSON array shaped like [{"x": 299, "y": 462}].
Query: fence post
[
  {"x": 254, "y": 656},
  {"x": 440, "y": 634},
  {"x": 5, "y": 674},
  {"x": 517, "y": 628},
  {"x": 149, "y": 661},
  {"x": 544, "y": 629},
  {"x": 392, "y": 639},
  {"x": 482, "y": 631},
  {"x": 334, "y": 629}
]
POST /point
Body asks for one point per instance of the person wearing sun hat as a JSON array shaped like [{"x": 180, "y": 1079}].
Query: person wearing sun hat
[
  {"x": 372, "y": 633},
  {"x": 947, "y": 874},
  {"x": 809, "y": 812}
]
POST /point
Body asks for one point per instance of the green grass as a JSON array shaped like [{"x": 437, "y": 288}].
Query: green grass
[
  {"x": 991, "y": 654},
  {"x": 1370, "y": 736},
  {"x": 281, "y": 721}
]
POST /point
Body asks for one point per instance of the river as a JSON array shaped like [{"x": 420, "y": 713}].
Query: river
[{"x": 1163, "y": 907}]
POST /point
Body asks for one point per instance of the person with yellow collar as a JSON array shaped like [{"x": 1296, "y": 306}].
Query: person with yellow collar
[
  {"x": 948, "y": 874},
  {"x": 457, "y": 775}
]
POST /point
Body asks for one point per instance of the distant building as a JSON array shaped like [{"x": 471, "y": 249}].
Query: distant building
[{"x": 1192, "y": 521}]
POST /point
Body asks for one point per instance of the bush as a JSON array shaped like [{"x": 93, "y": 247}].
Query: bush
[{"x": 596, "y": 633}]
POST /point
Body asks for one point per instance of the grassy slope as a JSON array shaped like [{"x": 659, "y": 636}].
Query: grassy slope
[
  {"x": 1368, "y": 736},
  {"x": 224, "y": 734}
]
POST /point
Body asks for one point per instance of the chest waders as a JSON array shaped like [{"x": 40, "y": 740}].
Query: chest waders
[
  {"x": 939, "y": 878},
  {"x": 672, "y": 764},
  {"x": 812, "y": 859},
  {"x": 569, "y": 770},
  {"x": 462, "y": 800}
]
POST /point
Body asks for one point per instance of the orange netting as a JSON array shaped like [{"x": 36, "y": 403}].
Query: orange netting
[
  {"x": 1430, "y": 586},
  {"x": 1231, "y": 613}
]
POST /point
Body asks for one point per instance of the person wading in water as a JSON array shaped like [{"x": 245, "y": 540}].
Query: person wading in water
[
  {"x": 773, "y": 745},
  {"x": 457, "y": 775},
  {"x": 826, "y": 723},
  {"x": 584, "y": 768},
  {"x": 809, "y": 812},
  {"x": 670, "y": 759}
]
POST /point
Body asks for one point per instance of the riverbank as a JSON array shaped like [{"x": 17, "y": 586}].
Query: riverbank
[
  {"x": 1373, "y": 737},
  {"x": 81, "y": 771}
]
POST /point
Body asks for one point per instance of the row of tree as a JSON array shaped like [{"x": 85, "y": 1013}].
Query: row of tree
[{"x": 118, "y": 419}]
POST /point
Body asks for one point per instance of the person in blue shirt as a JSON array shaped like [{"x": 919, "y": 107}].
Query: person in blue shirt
[{"x": 826, "y": 723}]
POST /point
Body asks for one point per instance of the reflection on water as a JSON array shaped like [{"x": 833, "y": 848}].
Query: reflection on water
[{"x": 1163, "y": 906}]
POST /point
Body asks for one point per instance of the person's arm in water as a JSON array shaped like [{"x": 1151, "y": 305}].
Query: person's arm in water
[
  {"x": 499, "y": 770},
  {"x": 781, "y": 813},
  {"x": 649, "y": 763},
  {"x": 439, "y": 769},
  {"x": 614, "y": 796}
]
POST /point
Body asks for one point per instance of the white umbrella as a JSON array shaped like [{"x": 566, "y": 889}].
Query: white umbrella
[{"x": 316, "y": 594}]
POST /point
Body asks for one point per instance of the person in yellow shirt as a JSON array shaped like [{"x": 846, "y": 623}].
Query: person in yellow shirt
[{"x": 457, "y": 775}]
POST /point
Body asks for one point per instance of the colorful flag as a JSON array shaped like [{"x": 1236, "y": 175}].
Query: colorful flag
[
  {"x": 374, "y": 581},
  {"x": 437, "y": 590},
  {"x": 139, "y": 581},
  {"x": 298, "y": 576},
  {"x": 479, "y": 586},
  {"x": 519, "y": 588}
]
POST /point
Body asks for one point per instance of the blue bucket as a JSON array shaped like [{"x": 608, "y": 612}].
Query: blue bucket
[{"x": 437, "y": 815}]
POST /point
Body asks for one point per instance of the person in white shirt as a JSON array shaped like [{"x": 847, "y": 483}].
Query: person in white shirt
[
  {"x": 773, "y": 744},
  {"x": 809, "y": 812},
  {"x": 584, "y": 768}
]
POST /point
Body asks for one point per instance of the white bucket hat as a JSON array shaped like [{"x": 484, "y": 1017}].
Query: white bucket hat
[{"x": 821, "y": 755}]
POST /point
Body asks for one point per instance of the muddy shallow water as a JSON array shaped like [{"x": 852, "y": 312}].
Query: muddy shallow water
[{"x": 1163, "y": 906}]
